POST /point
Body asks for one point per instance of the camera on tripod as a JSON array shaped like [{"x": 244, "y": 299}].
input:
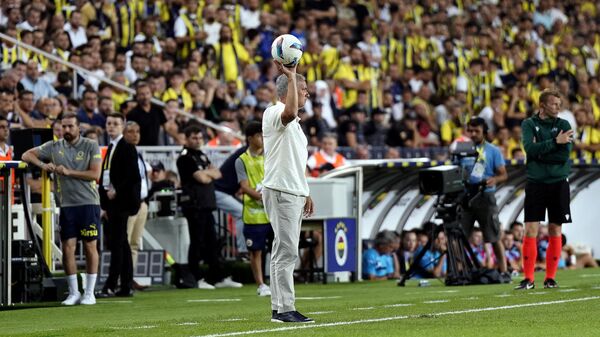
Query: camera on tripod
[
  {"x": 448, "y": 182},
  {"x": 447, "y": 179}
]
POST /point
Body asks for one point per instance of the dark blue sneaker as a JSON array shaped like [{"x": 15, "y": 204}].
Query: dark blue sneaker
[
  {"x": 291, "y": 317},
  {"x": 274, "y": 316}
]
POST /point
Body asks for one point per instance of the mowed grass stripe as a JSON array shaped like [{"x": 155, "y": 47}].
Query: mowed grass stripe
[{"x": 394, "y": 318}]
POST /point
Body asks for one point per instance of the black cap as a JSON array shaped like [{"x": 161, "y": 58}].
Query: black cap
[{"x": 157, "y": 165}]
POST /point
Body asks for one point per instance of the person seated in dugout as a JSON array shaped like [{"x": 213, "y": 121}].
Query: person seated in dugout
[{"x": 378, "y": 263}]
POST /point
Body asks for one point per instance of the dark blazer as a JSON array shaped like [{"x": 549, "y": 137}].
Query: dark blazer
[{"x": 125, "y": 178}]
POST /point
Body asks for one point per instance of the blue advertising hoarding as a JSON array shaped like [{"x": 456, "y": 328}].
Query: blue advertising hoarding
[{"x": 340, "y": 245}]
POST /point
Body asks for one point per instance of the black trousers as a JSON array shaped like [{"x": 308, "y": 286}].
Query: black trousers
[
  {"x": 203, "y": 244},
  {"x": 121, "y": 265}
]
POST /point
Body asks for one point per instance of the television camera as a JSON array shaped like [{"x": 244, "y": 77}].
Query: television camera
[{"x": 448, "y": 182}]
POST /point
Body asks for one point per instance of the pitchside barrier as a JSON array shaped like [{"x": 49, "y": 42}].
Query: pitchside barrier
[{"x": 371, "y": 196}]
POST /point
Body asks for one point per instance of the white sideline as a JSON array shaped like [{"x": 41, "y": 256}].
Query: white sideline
[
  {"x": 216, "y": 300},
  {"x": 393, "y": 318}
]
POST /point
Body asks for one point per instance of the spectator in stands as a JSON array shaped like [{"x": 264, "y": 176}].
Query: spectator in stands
[
  {"x": 76, "y": 32},
  {"x": 88, "y": 113},
  {"x": 352, "y": 131},
  {"x": 225, "y": 138},
  {"x": 377, "y": 261},
  {"x": 315, "y": 127},
  {"x": 325, "y": 155},
  {"x": 150, "y": 117},
  {"x": 377, "y": 128},
  {"x": 404, "y": 133},
  {"x": 33, "y": 83},
  {"x": 5, "y": 151}
]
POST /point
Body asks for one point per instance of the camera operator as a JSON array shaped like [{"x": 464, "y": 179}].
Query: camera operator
[{"x": 485, "y": 172}]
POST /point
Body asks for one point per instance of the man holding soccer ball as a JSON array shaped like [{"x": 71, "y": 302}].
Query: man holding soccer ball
[{"x": 285, "y": 194}]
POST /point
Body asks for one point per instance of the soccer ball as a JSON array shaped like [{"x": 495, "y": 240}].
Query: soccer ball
[{"x": 287, "y": 49}]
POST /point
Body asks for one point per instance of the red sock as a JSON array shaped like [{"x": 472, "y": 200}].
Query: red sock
[
  {"x": 529, "y": 256},
  {"x": 553, "y": 255}
]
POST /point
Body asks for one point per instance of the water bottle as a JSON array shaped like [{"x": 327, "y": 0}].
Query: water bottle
[{"x": 424, "y": 283}]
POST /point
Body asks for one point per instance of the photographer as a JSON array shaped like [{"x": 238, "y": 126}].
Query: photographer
[{"x": 485, "y": 172}]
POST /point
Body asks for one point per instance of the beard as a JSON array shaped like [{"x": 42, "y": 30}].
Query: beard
[{"x": 68, "y": 137}]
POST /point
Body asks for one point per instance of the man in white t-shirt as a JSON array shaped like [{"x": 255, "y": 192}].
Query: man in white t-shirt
[{"x": 285, "y": 193}]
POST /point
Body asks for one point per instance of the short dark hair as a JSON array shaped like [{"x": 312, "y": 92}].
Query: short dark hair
[
  {"x": 2, "y": 118},
  {"x": 477, "y": 122},
  {"x": 192, "y": 129},
  {"x": 68, "y": 115},
  {"x": 117, "y": 115},
  {"x": 253, "y": 128}
]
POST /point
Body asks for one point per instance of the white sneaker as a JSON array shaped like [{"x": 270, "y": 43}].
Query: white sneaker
[
  {"x": 205, "y": 285},
  {"x": 263, "y": 290},
  {"x": 88, "y": 299},
  {"x": 228, "y": 283},
  {"x": 72, "y": 299}
]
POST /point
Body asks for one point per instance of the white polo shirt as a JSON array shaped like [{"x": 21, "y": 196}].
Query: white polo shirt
[{"x": 286, "y": 153}]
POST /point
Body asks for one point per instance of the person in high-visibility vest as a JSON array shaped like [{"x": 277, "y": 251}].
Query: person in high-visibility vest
[
  {"x": 5, "y": 150},
  {"x": 326, "y": 157},
  {"x": 257, "y": 229}
]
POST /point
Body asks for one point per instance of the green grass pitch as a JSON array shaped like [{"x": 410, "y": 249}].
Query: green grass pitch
[{"x": 358, "y": 309}]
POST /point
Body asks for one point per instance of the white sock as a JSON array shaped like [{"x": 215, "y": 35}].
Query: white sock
[
  {"x": 72, "y": 280},
  {"x": 90, "y": 283}
]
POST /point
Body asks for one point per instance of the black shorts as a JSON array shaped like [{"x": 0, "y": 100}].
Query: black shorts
[
  {"x": 485, "y": 211},
  {"x": 555, "y": 198},
  {"x": 80, "y": 222},
  {"x": 258, "y": 236}
]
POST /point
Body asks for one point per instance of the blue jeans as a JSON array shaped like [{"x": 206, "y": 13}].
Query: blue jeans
[{"x": 229, "y": 204}]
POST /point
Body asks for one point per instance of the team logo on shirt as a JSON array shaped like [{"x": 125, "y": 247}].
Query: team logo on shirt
[
  {"x": 341, "y": 244},
  {"x": 79, "y": 155}
]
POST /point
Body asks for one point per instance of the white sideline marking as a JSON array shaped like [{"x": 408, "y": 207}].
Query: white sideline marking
[
  {"x": 589, "y": 275},
  {"x": 216, "y": 300},
  {"x": 567, "y": 290},
  {"x": 133, "y": 327},
  {"x": 503, "y": 295},
  {"x": 398, "y": 305},
  {"x": 447, "y": 291},
  {"x": 187, "y": 323},
  {"x": 436, "y": 301},
  {"x": 319, "y": 312},
  {"x": 233, "y": 320},
  {"x": 596, "y": 288},
  {"x": 395, "y": 318},
  {"x": 318, "y": 298},
  {"x": 472, "y": 298},
  {"x": 110, "y": 301},
  {"x": 538, "y": 293},
  {"x": 364, "y": 308}
]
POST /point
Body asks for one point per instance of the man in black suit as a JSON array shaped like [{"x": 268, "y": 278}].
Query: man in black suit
[{"x": 120, "y": 197}]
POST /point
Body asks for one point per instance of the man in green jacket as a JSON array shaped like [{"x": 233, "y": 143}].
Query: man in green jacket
[{"x": 547, "y": 140}]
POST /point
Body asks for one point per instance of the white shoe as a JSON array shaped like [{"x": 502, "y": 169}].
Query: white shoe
[
  {"x": 263, "y": 290},
  {"x": 72, "y": 299},
  {"x": 205, "y": 285},
  {"x": 88, "y": 299},
  {"x": 228, "y": 283}
]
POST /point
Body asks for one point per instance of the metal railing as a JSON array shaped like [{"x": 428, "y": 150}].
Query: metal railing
[{"x": 78, "y": 69}]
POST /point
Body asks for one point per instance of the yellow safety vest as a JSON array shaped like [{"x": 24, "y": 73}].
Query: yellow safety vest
[{"x": 254, "y": 212}]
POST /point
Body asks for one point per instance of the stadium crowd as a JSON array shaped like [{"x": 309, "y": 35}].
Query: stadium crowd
[{"x": 382, "y": 74}]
